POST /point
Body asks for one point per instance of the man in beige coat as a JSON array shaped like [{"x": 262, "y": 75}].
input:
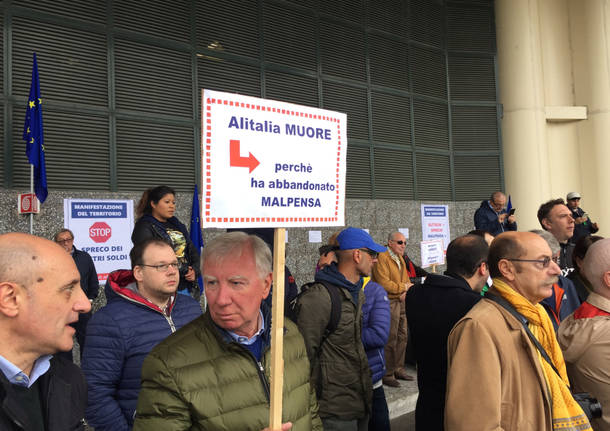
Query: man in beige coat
[
  {"x": 584, "y": 336},
  {"x": 391, "y": 272},
  {"x": 495, "y": 379}
]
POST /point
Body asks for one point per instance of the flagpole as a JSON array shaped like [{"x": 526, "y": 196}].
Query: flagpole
[{"x": 32, "y": 199}]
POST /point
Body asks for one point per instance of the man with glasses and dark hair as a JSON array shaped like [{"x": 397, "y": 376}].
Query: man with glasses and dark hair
[
  {"x": 340, "y": 371},
  {"x": 88, "y": 282},
  {"x": 554, "y": 216},
  {"x": 505, "y": 367},
  {"x": 432, "y": 309},
  {"x": 142, "y": 309},
  {"x": 392, "y": 273},
  {"x": 492, "y": 216}
]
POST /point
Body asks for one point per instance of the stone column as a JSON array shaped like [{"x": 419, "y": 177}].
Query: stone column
[
  {"x": 590, "y": 32},
  {"x": 520, "y": 80}
]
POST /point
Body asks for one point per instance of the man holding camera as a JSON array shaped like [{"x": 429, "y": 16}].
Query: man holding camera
[
  {"x": 505, "y": 367},
  {"x": 493, "y": 217},
  {"x": 585, "y": 335}
]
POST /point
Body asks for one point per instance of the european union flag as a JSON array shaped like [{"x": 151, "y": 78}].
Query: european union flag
[
  {"x": 33, "y": 136},
  {"x": 196, "y": 237},
  {"x": 509, "y": 206}
]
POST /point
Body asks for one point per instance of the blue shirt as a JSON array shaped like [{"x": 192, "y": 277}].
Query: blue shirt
[
  {"x": 249, "y": 341},
  {"x": 18, "y": 377}
]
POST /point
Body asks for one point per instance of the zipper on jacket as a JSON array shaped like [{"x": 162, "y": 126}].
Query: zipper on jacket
[
  {"x": 261, "y": 375},
  {"x": 172, "y": 327}
]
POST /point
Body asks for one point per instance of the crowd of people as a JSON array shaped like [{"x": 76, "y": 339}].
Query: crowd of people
[{"x": 515, "y": 335}]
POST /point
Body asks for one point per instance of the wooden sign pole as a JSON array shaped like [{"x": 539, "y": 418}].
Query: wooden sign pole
[{"x": 277, "y": 330}]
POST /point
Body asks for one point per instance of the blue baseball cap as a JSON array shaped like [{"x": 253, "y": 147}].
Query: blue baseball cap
[{"x": 351, "y": 238}]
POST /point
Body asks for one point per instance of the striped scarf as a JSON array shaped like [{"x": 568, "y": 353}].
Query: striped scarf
[{"x": 567, "y": 414}]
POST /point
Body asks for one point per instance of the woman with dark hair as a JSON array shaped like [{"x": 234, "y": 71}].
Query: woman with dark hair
[
  {"x": 583, "y": 287},
  {"x": 155, "y": 212}
]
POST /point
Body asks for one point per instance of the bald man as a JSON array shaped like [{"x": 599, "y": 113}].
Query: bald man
[
  {"x": 40, "y": 296},
  {"x": 497, "y": 377},
  {"x": 584, "y": 336}
]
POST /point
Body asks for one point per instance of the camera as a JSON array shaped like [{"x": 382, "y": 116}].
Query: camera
[{"x": 590, "y": 405}]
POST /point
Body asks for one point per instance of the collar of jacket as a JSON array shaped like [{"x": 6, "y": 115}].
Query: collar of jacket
[
  {"x": 122, "y": 284},
  {"x": 447, "y": 280},
  {"x": 224, "y": 337},
  {"x": 173, "y": 221},
  {"x": 49, "y": 383}
]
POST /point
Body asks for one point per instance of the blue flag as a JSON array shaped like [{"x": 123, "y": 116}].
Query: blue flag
[
  {"x": 509, "y": 205},
  {"x": 196, "y": 237},
  {"x": 33, "y": 136}
]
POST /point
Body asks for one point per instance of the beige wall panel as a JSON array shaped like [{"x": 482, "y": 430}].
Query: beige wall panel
[{"x": 590, "y": 32}]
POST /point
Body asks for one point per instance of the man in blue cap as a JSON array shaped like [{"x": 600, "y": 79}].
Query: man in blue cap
[{"x": 330, "y": 319}]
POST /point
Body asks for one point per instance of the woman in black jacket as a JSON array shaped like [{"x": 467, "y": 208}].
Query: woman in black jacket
[{"x": 156, "y": 219}]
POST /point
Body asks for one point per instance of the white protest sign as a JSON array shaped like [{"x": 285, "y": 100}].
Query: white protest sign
[
  {"x": 435, "y": 223},
  {"x": 271, "y": 164},
  {"x": 432, "y": 253},
  {"x": 103, "y": 229}
]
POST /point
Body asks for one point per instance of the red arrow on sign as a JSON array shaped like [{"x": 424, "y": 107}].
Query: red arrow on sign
[{"x": 241, "y": 162}]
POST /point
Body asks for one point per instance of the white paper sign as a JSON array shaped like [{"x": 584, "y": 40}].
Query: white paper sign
[
  {"x": 432, "y": 253},
  {"x": 404, "y": 231},
  {"x": 315, "y": 236},
  {"x": 103, "y": 229},
  {"x": 435, "y": 223},
  {"x": 271, "y": 164}
]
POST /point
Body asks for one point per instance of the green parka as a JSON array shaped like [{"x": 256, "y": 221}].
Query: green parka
[
  {"x": 200, "y": 379},
  {"x": 340, "y": 370}
]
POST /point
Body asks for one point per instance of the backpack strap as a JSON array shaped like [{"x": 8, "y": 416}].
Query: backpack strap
[{"x": 335, "y": 308}]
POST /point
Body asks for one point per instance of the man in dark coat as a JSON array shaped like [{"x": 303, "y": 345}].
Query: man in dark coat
[
  {"x": 40, "y": 297},
  {"x": 583, "y": 225},
  {"x": 88, "y": 282},
  {"x": 493, "y": 217},
  {"x": 432, "y": 309}
]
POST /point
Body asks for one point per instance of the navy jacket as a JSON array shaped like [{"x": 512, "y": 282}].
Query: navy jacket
[
  {"x": 433, "y": 308},
  {"x": 485, "y": 218},
  {"x": 375, "y": 327},
  {"x": 88, "y": 274},
  {"x": 563, "y": 301},
  {"x": 119, "y": 337},
  {"x": 63, "y": 400}
]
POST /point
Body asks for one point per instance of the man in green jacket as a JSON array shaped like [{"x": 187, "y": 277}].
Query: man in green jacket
[
  {"x": 213, "y": 374},
  {"x": 340, "y": 371}
]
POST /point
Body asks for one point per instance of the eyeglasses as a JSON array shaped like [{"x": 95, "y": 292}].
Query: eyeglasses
[
  {"x": 163, "y": 267},
  {"x": 62, "y": 241},
  {"x": 400, "y": 242},
  {"x": 544, "y": 262},
  {"x": 371, "y": 253}
]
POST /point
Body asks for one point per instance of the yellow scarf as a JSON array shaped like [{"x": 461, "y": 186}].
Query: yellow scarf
[{"x": 567, "y": 414}]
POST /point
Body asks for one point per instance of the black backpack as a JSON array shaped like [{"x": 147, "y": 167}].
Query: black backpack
[{"x": 293, "y": 309}]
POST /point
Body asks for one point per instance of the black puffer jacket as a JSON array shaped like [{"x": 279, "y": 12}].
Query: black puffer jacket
[{"x": 63, "y": 400}]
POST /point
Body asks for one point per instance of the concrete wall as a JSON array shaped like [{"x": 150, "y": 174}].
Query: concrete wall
[{"x": 379, "y": 216}]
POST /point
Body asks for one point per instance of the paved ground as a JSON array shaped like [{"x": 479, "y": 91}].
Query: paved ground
[{"x": 401, "y": 403}]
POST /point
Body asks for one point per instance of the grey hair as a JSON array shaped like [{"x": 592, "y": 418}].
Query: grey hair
[
  {"x": 597, "y": 262},
  {"x": 549, "y": 238},
  {"x": 391, "y": 235},
  {"x": 232, "y": 245}
]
